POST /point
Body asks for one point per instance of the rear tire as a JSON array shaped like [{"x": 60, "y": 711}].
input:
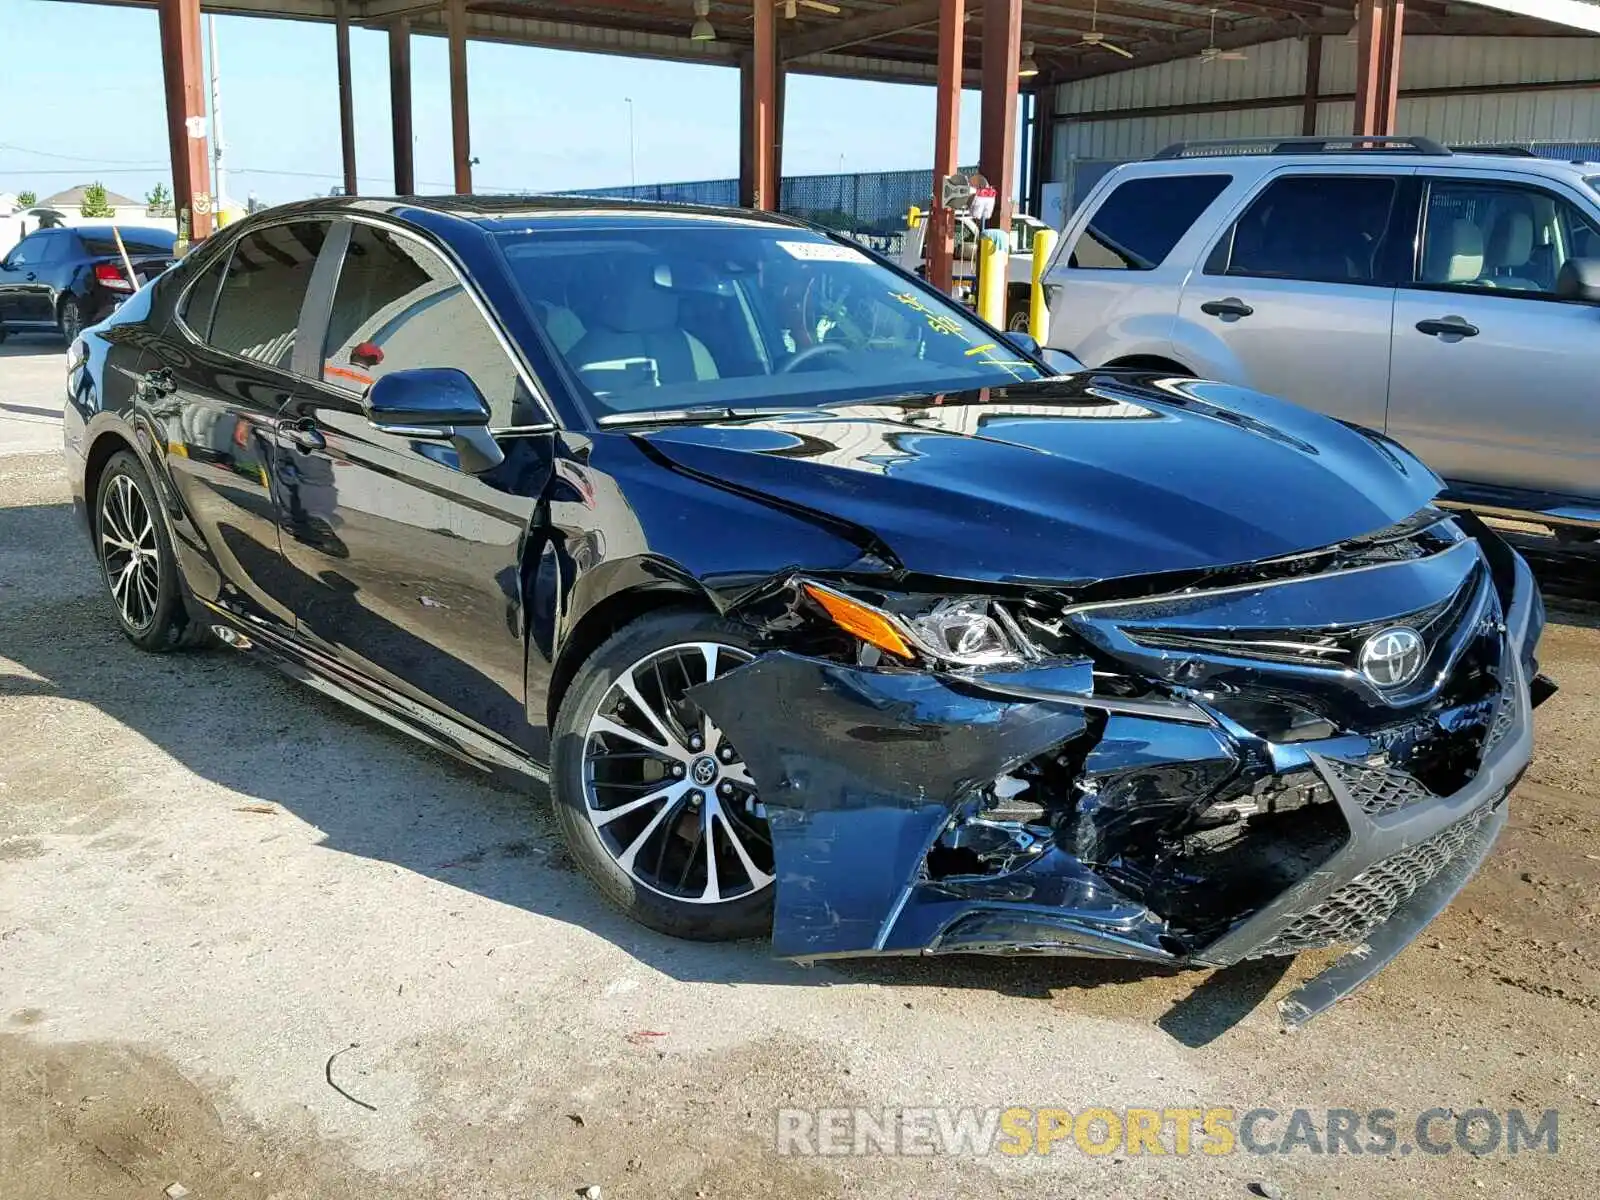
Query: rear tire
[
  {"x": 136, "y": 560},
  {"x": 641, "y": 793},
  {"x": 69, "y": 319}
]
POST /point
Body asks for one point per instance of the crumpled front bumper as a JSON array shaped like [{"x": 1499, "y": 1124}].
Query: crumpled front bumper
[{"x": 861, "y": 771}]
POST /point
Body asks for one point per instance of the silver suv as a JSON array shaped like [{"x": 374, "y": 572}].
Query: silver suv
[{"x": 1451, "y": 300}]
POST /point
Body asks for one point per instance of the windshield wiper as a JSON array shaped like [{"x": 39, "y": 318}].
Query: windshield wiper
[{"x": 705, "y": 412}]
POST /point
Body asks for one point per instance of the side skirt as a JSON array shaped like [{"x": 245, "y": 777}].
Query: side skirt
[{"x": 331, "y": 679}]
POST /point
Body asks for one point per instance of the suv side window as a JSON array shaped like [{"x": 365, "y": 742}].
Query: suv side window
[
  {"x": 1500, "y": 237},
  {"x": 1140, "y": 222},
  {"x": 1318, "y": 228},
  {"x": 399, "y": 305},
  {"x": 258, "y": 305}
]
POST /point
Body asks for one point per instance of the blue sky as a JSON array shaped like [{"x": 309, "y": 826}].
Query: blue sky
[{"x": 81, "y": 95}]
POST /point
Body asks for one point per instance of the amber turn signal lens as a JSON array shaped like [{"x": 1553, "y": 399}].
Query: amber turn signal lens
[{"x": 861, "y": 620}]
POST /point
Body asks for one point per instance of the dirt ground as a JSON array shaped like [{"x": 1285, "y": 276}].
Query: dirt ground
[{"x": 213, "y": 881}]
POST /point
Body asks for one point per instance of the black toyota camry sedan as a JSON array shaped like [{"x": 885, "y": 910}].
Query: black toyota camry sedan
[{"x": 826, "y": 611}]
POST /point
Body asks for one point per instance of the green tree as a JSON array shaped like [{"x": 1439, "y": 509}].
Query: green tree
[
  {"x": 27, "y": 199},
  {"x": 158, "y": 201},
  {"x": 95, "y": 203}
]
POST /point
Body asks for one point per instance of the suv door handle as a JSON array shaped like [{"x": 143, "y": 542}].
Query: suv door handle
[
  {"x": 1231, "y": 307},
  {"x": 303, "y": 435},
  {"x": 1448, "y": 327}
]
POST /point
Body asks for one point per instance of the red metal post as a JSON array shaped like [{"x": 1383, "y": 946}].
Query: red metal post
[
  {"x": 939, "y": 246},
  {"x": 405, "y": 180},
  {"x": 347, "y": 112},
  {"x": 763, "y": 123},
  {"x": 1308, "y": 114},
  {"x": 997, "y": 150},
  {"x": 186, "y": 113},
  {"x": 460, "y": 125},
  {"x": 1394, "y": 20}
]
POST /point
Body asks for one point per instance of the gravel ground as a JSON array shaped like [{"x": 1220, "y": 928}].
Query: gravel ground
[{"x": 212, "y": 880}]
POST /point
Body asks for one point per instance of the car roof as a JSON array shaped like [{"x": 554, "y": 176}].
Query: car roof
[
  {"x": 126, "y": 230},
  {"x": 499, "y": 213}
]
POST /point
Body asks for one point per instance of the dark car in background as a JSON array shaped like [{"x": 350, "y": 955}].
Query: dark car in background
[
  {"x": 826, "y": 611},
  {"x": 67, "y": 278}
]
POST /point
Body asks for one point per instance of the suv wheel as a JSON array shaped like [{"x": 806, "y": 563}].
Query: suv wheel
[{"x": 657, "y": 806}]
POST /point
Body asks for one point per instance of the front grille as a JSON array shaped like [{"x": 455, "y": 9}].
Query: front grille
[
  {"x": 1374, "y": 896},
  {"x": 1505, "y": 716},
  {"x": 1378, "y": 790}
]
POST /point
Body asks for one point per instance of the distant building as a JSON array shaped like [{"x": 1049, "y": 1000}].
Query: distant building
[{"x": 125, "y": 211}]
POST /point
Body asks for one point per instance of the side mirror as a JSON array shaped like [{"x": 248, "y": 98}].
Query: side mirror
[
  {"x": 1579, "y": 280},
  {"x": 1025, "y": 342},
  {"x": 436, "y": 404}
]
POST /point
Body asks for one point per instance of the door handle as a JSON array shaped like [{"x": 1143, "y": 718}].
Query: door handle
[
  {"x": 1445, "y": 327},
  {"x": 1230, "y": 307},
  {"x": 304, "y": 436}
]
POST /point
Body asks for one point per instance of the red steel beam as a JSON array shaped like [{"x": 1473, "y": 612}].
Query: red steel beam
[
  {"x": 1369, "y": 65},
  {"x": 405, "y": 179},
  {"x": 1308, "y": 114},
  {"x": 939, "y": 245},
  {"x": 763, "y": 112},
  {"x": 460, "y": 123},
  {"x": 1394, "y": 23},
  {"x": 997, "y": 148},
  {"x": 186, "y": 113},
  {"x": 347, "y": 113}
]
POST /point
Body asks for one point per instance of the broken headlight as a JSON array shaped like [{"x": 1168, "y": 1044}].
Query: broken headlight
[{"x": 969, "y": 631}]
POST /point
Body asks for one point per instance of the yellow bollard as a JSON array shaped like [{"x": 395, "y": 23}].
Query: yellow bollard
[
  {"x": 993, "y": 263},
  {"x": 1038, "y": 314}
]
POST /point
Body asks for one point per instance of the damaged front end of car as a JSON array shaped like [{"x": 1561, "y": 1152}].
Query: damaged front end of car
[{"x": 1190, "y": 769}]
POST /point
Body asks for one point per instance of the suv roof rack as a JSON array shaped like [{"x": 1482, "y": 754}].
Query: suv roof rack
[
  {"x": 1498, "y": 151},
  {"x": 1354, "y": 144}
]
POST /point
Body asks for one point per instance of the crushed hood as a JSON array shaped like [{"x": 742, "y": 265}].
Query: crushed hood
[{"x": 1086, "y": 477}]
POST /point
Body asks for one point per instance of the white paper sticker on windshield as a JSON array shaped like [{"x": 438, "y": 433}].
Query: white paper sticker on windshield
[{"x": 824, "y": 252}]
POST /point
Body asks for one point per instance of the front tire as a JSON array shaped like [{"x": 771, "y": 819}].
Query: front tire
[
  {"x": 136, "y": 560},
  {"x": 656, "y": 805}
]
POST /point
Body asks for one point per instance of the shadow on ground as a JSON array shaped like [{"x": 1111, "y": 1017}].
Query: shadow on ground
[{"x": 377, "y": 794}]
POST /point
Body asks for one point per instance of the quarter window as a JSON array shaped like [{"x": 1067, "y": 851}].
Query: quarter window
[
  {"x": 1140, "y": 222},
  {"x": 1498, "y": 238},
  {"x": 1319, "y": 228},
  {"x": 202, "y": 299},
  {"x": 399, "y": 305},
  {"x": 258, "y": 306}
]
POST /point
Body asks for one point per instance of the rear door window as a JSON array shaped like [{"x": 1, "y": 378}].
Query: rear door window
[
  {"x": 1317, "y": 228},
  {"x": 1140, "y": 222},
  {"x": 258, "y": 306}
]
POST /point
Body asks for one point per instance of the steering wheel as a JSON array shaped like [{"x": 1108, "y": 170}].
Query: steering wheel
[{"x": 811, "y": 352}]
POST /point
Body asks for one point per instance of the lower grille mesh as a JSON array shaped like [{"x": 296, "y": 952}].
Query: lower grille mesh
[
  {"x": 1377, "y": 789},
  {"x": 1374, "y": 896}
]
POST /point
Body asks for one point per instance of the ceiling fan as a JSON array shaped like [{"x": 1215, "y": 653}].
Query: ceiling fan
[
  {"x": 1214, "y": 53},
  {"x": 791, "y": 7},
  {"x": 1095, "y": 40}
]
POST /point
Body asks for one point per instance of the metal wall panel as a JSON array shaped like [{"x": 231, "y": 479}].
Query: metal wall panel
[
  {"x": 1273, "y": 69},
  {"x": 1278, "y": 69}
]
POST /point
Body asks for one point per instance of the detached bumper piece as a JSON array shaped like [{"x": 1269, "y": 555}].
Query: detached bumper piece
[{"x": 1216, "y": 781}]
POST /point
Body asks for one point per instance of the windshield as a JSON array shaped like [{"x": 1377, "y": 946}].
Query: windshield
[{"x": 677, "y": 314}]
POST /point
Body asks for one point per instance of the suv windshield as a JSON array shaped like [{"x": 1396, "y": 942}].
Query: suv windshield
[{"x": 675, "y": 314}]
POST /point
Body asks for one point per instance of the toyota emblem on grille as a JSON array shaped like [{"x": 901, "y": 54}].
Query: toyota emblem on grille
[{"x": 1392, "y": 657}]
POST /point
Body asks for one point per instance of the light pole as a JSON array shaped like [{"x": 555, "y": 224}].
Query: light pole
[{"x": 633, "y": 174}]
